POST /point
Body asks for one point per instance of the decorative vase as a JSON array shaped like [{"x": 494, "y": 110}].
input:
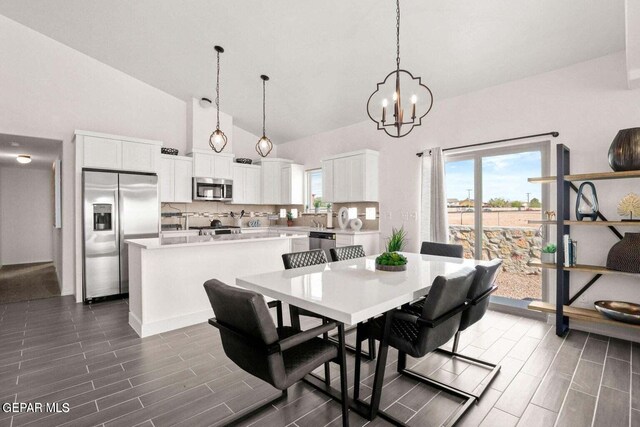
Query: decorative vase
[
  {"x": 343, "y": 218},
  {"x": 624, "y": 153},
  {"x": 548, "y": 257},
  {"x": 356, "y": 224},
  {"x": 587, "y": 202},
  {"x": 625, "y": 255}
]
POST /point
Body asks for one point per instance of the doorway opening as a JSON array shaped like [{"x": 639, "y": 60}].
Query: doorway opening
[{"x": 30, "y": 218}]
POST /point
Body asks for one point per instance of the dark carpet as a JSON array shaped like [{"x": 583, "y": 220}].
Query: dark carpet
[{"x": 25, "y": 282}]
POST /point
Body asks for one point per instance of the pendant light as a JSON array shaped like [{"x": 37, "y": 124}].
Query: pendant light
[
  {"x": 264, "y": 145},
  {"x": 399, "y": 85},
  {"x": 218, "y": 140}
]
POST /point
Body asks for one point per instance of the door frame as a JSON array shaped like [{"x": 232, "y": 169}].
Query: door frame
[{"x": 544, "y": 147}]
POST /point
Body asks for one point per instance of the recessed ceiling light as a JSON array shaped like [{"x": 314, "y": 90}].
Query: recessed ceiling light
[
  {"x": 14, "y": 144},
  {"x": 23, "y": 158}
]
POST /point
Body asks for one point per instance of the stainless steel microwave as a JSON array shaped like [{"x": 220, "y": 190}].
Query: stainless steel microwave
[{"x": 212, "y": 189}]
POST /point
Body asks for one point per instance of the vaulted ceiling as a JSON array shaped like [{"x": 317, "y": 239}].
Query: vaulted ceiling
[{"x": 324, "y": 57}]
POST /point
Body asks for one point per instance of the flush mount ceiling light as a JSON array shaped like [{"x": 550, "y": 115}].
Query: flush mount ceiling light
[
  {"x": 218, "y": 140},
  {"x": 264, "y": 145},
  {"x": 23, "y": 158},
  {"x": 400, "y": 86}
]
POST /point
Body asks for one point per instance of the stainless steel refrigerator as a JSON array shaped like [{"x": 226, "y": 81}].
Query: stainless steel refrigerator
[{"x": 117, "y": 207}]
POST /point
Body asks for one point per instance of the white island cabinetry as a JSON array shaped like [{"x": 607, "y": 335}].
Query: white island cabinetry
[{"x": 166, "y": 274}]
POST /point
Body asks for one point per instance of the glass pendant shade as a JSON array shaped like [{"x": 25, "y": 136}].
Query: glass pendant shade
[
  {"x": 217, "y": 141},
  {"x": 264, "y": 146},
  {"x": 587, "y": 202}
]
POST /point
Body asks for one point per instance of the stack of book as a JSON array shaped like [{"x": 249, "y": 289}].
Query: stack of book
[{"x": 570, "y": 251}]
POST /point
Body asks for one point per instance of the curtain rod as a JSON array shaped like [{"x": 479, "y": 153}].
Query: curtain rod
[{"x": 553, "y": 134}]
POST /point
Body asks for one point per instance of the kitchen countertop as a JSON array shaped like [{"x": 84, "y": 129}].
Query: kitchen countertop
[
  {"x": 221, "y": 239},
  {"x": 302, "y": 229},
  {"x": 285, "y": 229}
]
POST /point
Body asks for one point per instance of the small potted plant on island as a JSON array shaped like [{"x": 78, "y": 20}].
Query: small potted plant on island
[
  {"x": 391, "y": 260},
  {"x": 549, "y": 254},
  {"x": 317, "y": 202},
  {"x": 289, "y": 219}
]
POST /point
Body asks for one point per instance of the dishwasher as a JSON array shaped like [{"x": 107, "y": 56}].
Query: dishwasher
[{"x": 322, "y": 240}]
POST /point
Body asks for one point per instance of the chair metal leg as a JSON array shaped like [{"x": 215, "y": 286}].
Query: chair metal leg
[
  {"x": 278, "y": 306},
  {"x": 456, "y": 342},
  {"x": 327, "y": 368},
  {"x": 344, "y": 387},
  {"x": 294, "y": 315},
  {"x": 402, "y": 361},
  {"x": 494, "y": 369}
]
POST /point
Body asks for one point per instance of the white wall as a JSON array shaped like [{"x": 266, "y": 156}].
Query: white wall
[
  {"x": 587, "y": 103},
  {"x": 49, "y": 90},
  {"x": 26, "y": 208}
]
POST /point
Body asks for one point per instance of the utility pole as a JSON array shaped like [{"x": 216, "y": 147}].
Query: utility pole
[{"x": 528, "y": 200}]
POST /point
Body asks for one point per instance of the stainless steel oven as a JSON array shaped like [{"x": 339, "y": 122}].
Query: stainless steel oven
[{"x": 212, "y": 189}]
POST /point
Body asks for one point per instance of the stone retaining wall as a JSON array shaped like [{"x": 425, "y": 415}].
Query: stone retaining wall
[{"x": 516, "y": 245}]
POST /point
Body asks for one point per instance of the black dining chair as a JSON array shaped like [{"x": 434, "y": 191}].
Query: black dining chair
[
  {"x": 419, "y": 334},
  {"x": 442, "y": 249},
  {"x": 484, "y": 284},
  {"x": 345, "y": 253},
  {"x": 278, "y": 356}
]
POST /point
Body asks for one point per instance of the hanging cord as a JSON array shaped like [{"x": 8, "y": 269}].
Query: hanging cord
[
  {"x": 264, "y": 114},
  {"x": 218, "y": 92},
  {"x": 397, "y": 34}
]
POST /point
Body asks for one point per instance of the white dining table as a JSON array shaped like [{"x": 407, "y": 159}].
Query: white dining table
[{"x": 351, "y": 292}]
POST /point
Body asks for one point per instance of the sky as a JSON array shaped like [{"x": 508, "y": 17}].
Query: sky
[{"x": 503, "y": 176}]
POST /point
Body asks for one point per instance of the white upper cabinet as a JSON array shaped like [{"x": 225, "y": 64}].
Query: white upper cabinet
[
  {"x": 102, "y": 151},
  {"x": 282, "y": 182},
  {"x": 246, "y": 184},
  {"x": 175, "y": 175},
  {"x": 351, "y": 177},
  {"x": 207, "y": 164}
]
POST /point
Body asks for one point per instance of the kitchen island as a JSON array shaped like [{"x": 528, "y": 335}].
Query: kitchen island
[{"x": 166, "y": 274}]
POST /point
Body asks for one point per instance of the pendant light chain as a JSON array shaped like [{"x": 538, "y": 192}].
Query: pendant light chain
[
  {"x": 218, "y": 92},
  {"x": 397, "y": 34},
  {"x": 264, "y": 114}
]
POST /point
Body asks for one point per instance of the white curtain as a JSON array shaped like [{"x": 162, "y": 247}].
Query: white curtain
[{"x": 434, "y": 199}]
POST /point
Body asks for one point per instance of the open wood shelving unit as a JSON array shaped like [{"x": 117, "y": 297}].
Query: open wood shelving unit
[{"x": 564, "y": 182}]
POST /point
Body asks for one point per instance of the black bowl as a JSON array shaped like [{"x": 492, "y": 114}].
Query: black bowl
[{"x": 244, "y": 161}]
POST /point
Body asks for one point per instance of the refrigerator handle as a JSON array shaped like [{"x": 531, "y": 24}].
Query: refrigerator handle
[{"x": 117, "y": 214}]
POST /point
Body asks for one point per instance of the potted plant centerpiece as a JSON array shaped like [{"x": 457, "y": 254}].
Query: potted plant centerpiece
[
  {"x": 391, "y": 260},
  {"x": 549, "y": 254},
  {"x": 289, "y": 219}
]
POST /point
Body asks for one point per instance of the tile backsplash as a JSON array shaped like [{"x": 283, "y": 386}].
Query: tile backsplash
[{"x": 204, "y": 212}]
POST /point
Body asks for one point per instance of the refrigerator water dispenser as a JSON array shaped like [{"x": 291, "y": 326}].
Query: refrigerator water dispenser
[{"x": 102, "y": 217}]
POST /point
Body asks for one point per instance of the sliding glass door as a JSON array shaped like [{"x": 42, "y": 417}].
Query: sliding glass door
[{"x": 490, "y": 207}]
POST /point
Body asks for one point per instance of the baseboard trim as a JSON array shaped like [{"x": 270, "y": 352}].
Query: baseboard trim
[{"x": 147, "y": 329}]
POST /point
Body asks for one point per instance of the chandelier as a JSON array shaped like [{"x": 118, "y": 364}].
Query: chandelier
[
  {"x": 400, "y": 86},
  {"x": 264, "y": 145},
  {"x": 218, "y": 140}
]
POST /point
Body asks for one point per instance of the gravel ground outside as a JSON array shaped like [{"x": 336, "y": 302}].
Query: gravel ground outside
[{"x": 519, "y": 286}]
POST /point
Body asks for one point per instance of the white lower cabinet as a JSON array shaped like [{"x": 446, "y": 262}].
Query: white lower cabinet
[
  {"x": 299, "y": 245},
  {"x": 370, "y": 242},
  {"x": 175, "y": 175}
]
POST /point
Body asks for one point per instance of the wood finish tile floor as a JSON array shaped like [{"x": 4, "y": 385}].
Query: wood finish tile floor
[{"x": 54, "y": 350}]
